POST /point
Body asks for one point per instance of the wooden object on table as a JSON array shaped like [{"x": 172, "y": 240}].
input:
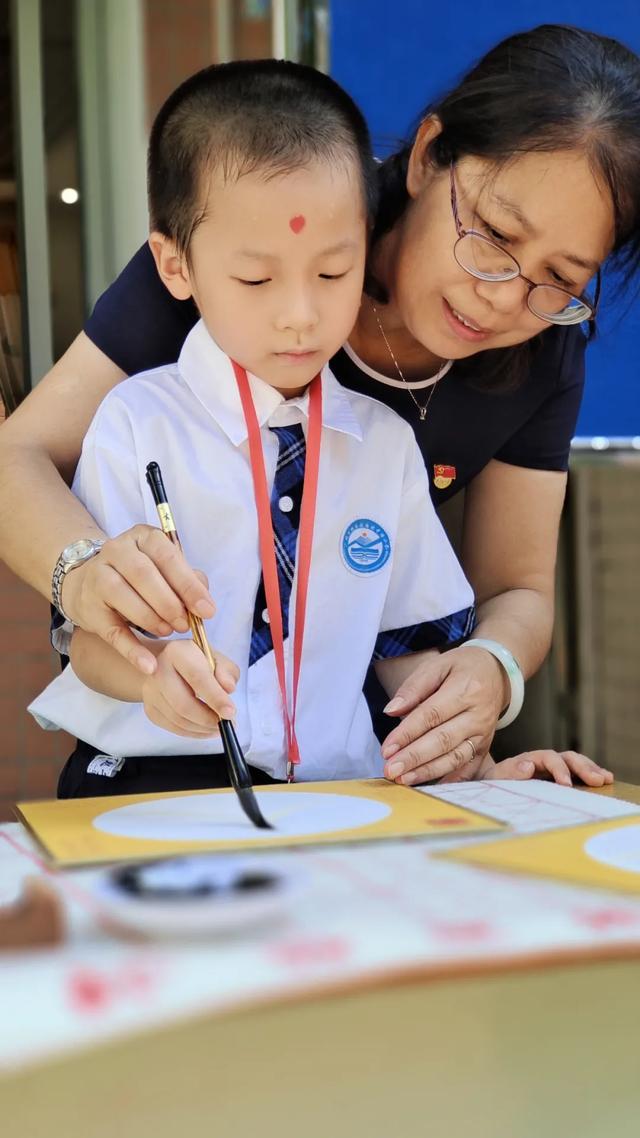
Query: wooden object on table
[{"x": 35, "y": 920}]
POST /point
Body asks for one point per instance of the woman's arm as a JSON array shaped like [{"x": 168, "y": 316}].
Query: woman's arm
[
  {"x": 509, "y": 546},
  {"x": 139, "y": 577},
  {"x": 509, "y": 550},
  {"x": 40, "y": 445}
]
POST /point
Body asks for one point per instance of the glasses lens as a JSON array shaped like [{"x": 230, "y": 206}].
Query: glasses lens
[
  {"x": 558, "y": 306},
  {"x": 485, "y": 260}
]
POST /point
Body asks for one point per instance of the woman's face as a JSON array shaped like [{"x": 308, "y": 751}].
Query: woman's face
[{"x": 546, "y": 209}]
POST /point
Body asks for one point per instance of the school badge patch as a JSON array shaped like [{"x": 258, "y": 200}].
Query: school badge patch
[
  {"x": 443, "y": 475},
  {"x": 365, "y": 546}
]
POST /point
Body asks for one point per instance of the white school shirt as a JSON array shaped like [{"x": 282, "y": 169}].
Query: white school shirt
[{"x": 188, "y": 418}]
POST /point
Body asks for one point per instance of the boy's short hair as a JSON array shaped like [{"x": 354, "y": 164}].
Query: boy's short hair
[{"x": 265, "y": 115}]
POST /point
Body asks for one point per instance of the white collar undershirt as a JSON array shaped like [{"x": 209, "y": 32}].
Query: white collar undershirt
[{"x": 415, "y": 384}]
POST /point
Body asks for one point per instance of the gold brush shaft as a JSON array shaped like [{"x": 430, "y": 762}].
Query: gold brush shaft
[
  {"x": 196, "y": 624},
  {"x": 197, "y": 631}
]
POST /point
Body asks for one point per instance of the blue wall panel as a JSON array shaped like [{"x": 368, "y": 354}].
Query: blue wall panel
[{"x": 394, "y": 56}]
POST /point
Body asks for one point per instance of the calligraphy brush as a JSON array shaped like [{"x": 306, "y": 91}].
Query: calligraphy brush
[{"x": 236, "y": 763}]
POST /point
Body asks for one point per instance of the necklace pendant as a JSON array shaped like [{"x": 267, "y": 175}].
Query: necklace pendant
[{"x": 422, "y": 409}]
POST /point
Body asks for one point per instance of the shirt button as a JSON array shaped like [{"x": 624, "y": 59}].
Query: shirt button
[
  {"x": 265, "y": 616},
  {"x": 286, "y": 504}
]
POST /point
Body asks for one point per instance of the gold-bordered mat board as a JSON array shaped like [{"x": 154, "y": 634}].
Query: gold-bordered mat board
[
  {"x": 602, "y": 855},
  {"x": 84, "y": 831}
]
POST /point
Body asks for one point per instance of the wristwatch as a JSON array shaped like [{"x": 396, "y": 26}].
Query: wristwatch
[{"x": 71, "y": 557}]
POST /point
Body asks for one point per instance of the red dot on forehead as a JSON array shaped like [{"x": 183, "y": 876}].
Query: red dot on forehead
[{"x": 297, "y": 223}]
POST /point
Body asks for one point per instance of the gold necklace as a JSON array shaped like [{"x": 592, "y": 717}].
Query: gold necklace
[{"x": 422, "y": 407}]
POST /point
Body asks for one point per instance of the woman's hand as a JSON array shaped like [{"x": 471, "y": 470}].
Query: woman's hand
[
  {"x": 559, "y": 765},
  {"x": 449, "y": 702},
  {"x": 139, "y": 578},
  {"x": 183, "y": 696}
]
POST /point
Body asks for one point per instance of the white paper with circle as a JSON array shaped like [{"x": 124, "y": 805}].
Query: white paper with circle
[
  {"x": 217, "y": 817},
  {"x": 617, "y": 848}
]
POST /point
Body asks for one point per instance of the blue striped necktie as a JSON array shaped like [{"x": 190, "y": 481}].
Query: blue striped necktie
[{"x": 286, "y": 499}]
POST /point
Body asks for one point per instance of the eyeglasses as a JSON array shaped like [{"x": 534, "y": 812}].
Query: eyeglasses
[{"x": 483, "y": 259}]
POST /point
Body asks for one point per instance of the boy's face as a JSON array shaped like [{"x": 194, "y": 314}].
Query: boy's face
[{"x": 276, "y": 269}]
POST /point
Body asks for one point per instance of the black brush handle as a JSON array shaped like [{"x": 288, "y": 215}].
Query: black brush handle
[
  {"x": 156, "y": 485},
  {"x": 238, "y": 769},
  {"x": 239, "y": 775}
]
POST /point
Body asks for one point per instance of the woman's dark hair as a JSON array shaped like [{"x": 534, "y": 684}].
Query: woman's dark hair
[
  {"x": 551, "y": 88},
  {"x": 262, "y": 115}
]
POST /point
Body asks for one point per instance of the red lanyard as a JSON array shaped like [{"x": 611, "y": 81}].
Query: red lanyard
[{"x": 267, "y": 545}]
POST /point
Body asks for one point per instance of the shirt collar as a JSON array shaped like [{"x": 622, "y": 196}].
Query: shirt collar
[{"x": 209, "y": 374}]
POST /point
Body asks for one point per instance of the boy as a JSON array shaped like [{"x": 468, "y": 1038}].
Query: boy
[{"x": 260, "y": 190}]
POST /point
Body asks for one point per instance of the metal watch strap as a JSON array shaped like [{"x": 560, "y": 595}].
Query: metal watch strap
[
  {"x": 56, "y": 588},
  {"x": 59, "y": 573},
  {"x": 514, "y": 675}
]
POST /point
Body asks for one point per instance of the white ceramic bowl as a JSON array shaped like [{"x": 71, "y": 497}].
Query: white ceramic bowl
[{"x": 197, "y": 895}]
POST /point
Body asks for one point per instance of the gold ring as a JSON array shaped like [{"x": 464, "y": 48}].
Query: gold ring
[{"x": 473, "y": 749}]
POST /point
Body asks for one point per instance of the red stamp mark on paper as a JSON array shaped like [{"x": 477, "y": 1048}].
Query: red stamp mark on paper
[
  {"x": 91, "y": 990},
  {"x": 601, "y": 920},
  {"x": 446, "y": 821},
  {"x": 467, "y": 931},
  {"x": 312, "y": 950}
]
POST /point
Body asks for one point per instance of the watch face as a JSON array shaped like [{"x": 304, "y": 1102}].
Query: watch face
[{"x": 78, "y": 551}]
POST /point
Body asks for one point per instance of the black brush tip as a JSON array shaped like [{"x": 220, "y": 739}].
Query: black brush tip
[{"x": 252, "y": 810}]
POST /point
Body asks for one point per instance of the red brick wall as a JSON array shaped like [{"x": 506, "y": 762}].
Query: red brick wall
[
  {"x": 180, "y": 38},
  {"x": 30, "y": 758}
]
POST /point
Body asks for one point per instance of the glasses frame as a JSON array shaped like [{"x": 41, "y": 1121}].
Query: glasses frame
[{"x": 591, "y": 305}]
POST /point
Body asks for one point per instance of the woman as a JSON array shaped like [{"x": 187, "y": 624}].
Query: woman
[{"x": 493, "y": 226}]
